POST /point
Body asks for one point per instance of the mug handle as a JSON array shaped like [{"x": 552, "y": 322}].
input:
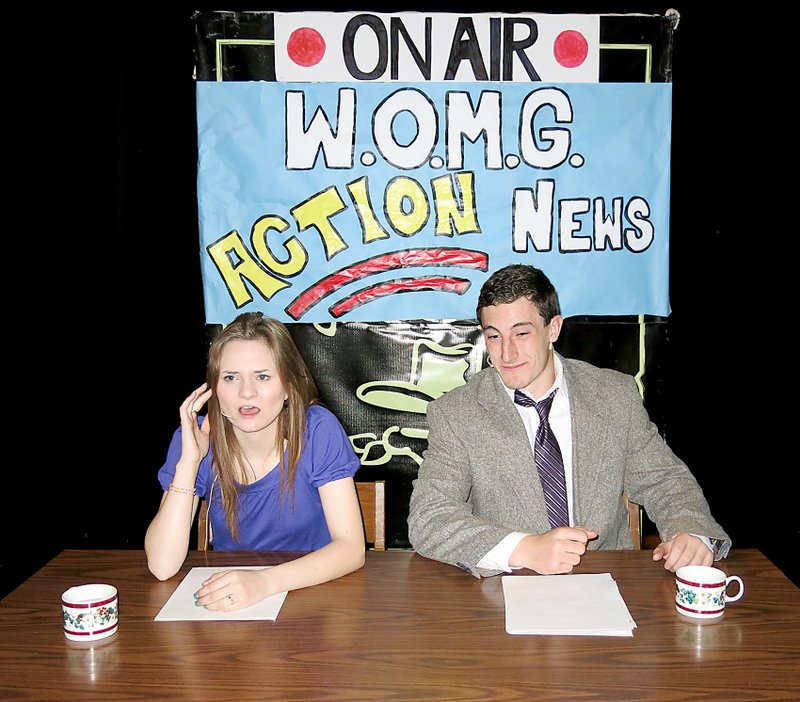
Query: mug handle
[{"x": 730, "y": 579}]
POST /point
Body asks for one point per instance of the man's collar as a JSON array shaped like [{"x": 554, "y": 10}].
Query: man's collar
[{"x": 558, "y": 383}]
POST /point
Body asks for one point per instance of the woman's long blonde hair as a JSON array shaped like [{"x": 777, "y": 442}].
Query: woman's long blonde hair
[{"x": 229, "y": 459}]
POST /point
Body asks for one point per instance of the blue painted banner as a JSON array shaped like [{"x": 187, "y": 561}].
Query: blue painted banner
[{"x": 322, "y": 202}]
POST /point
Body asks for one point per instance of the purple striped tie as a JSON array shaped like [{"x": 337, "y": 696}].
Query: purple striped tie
[{"x": 547, "y": 455}]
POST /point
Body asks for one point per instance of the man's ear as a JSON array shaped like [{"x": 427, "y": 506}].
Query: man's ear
[{"x": 555, "y": 327}]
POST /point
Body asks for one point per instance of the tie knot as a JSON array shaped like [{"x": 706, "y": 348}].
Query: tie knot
[{"x": 542, "y": 407}]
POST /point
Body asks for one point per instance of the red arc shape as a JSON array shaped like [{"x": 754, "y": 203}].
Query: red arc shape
[
  {"x": 434, "y": 282},
  {"x": 436, "y": 256}
]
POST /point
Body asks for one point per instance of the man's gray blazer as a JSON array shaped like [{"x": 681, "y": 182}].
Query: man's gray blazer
[{"x": 478, "y": 481}]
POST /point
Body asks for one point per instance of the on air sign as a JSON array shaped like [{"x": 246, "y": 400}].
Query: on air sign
[{"x": 413, "y": 47}]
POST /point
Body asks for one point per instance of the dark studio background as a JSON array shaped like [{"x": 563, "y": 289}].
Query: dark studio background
[{"x": 129, "y": 339}]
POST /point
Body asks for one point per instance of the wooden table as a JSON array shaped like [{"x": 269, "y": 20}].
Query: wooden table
[{"x": 401, "y": 628}]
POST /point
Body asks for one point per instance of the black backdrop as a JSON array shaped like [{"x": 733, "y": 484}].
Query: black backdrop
[{"x": 121, "y": 338}]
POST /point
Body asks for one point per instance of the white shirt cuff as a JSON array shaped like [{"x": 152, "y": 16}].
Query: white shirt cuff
[{"x": 497, "y": 558}]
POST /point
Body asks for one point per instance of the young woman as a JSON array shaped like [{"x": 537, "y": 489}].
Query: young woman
[{"x": 274, "y": 466}]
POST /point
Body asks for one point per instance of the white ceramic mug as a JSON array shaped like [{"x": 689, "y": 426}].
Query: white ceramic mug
[
  {"x": 91, "y": 612},
  {"x": 702, "y": 591}
]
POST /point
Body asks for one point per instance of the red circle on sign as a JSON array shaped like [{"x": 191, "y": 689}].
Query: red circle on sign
[
  {"x": 570, "y": 48},
  {"x": 305, "y": 47}
]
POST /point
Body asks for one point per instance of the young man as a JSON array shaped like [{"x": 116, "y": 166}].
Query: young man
[{"x": 534, "y": 480}]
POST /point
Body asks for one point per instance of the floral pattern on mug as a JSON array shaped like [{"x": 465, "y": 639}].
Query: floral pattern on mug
[
  {"x": 688, "y": 596},
  {"x": 90, "y": 620}
]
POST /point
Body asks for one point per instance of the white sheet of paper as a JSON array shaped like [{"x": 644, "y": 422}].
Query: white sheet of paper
[
  {"x": 180, "y": 606},
  {"x": 577, "y": 605}
]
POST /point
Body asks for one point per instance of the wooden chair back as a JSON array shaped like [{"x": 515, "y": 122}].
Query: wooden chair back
[
  {"x": 203, "y": 527},
  {"x": 371, "y": 498},
  {"x": 634, "y": 522}
]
